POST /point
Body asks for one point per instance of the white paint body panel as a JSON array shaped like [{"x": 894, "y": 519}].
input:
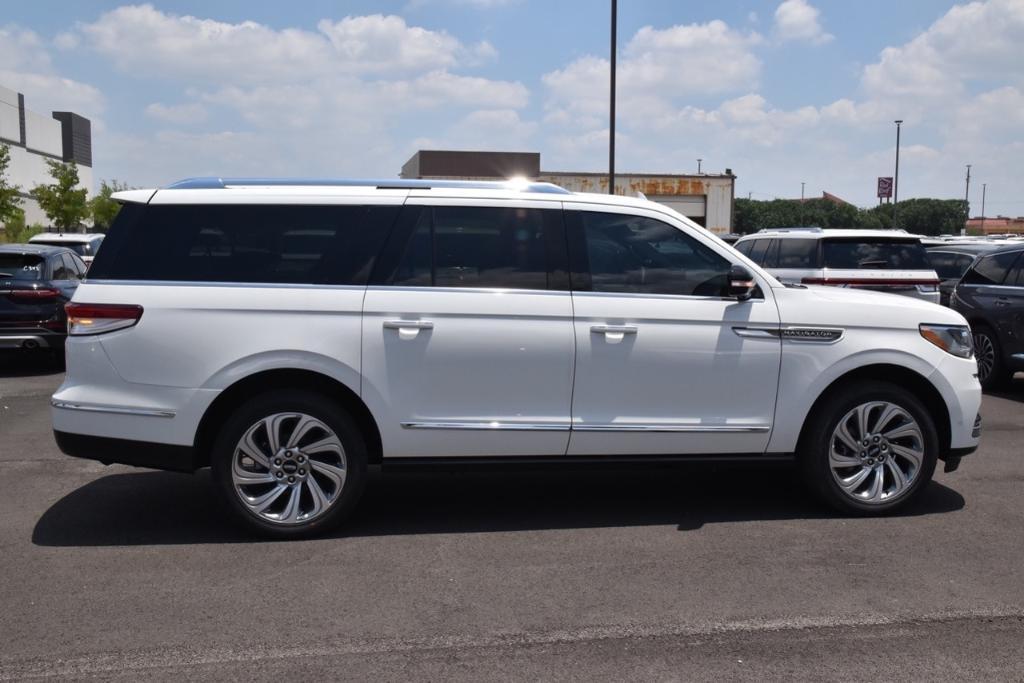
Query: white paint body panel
[{"x": 526, "y": 361}]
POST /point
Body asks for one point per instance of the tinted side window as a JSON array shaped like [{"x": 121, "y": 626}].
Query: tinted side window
[
  {"x": 59, "y": 269},
  {"x": 991, "y": 270},
  {"x": 797, "y": 253},
  {"x": 71, "y": 267},
  {"x": 643, "y": 255},
  {"x": 874, "y": 254},
  {"x": 758, "y": 250},
  {"x": 771, "y": 257},
  {"x": 455, "y": 246},
  {"x": 260, "y": 244},
  {"x": 744, "y": 247}
]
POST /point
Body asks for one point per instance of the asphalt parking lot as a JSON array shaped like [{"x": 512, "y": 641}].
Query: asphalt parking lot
[{"x": 684, "y": 573}]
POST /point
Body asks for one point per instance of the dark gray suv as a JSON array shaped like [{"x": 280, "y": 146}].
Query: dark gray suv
[{"x": 991, "y": 296}]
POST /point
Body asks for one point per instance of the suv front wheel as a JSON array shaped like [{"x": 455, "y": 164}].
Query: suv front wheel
[
  {"x": 290, "y": 463},
  {"x": 871, "y": 448}
]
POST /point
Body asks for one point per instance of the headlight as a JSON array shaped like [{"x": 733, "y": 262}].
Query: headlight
[{"x": 954, "y": 339}]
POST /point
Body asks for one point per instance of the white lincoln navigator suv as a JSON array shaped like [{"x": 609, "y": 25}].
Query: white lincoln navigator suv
[{"x": 292, "y": 335}]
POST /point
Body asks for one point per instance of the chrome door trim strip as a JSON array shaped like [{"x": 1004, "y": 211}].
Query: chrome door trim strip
[
  {"x": 758, "y": 332},
  {"x": 685, "y": 429},
  {"x": 541, "y": 427},
  {"x": 113, "y": 410},
  {"x": 492, "y": 425}
]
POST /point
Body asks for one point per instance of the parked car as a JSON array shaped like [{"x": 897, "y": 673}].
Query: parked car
[
  {"x": 990, "y": 296},
  {"x": 951, "y": 260},
  {"x": 292, "y": 335},
  {"x": 881, "y": 260},
  {"x": 84, "y": 244},
  {"x": 35, "y": 283}
]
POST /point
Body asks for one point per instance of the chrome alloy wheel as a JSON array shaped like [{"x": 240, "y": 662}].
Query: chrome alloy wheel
[
  {"x": 985, "y": 353},
  {"x": 876, "y": 452},
  {"x": 288, "y": 468}
]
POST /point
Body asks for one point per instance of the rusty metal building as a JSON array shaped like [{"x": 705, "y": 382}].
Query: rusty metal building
[{"x": 705, "y": 198}]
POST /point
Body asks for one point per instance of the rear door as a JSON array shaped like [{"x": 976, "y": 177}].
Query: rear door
[
  {"x": 467, "y": 331},
  {"x": 666, "y": 363}
]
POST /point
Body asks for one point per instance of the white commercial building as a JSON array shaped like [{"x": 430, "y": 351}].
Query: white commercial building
[
  {"x": 33, "y": 138},
  {"x": 705, "y": 198}
]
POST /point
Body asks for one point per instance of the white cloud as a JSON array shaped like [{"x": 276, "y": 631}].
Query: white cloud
[
  {"x": 191, "y": 112},
  {"x": 25, "y": 66},
  {"x": 491, "y": 129},
  {"x": 799, "y": 20},
  {"x": 683, "y": 60},
  {"x": 141, "y": 37},
  {"x": 976, "y": 41}
]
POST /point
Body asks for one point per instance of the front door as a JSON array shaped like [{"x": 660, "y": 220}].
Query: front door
[
  {"x": 468, "y": 338},
  {"x": 666, "y": 363}
]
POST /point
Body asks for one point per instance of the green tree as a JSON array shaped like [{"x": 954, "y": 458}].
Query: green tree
[
  {"x": 63, "y": 204},
  {"x": 102, "y": 207},
  {"x": 10, "y": 209},
  {"x": 16, "y": 232},
  {"x": 931, "y": 216}
]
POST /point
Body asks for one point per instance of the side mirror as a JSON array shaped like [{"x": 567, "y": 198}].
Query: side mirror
[{"x": 741, "y": 283}]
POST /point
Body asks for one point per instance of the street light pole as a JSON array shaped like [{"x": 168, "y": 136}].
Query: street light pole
[
  {"x": 611, "y": 107},
  {"x": 896, "y": 178},
  {"x": 698, "y": 165},
  {"x": 801, "y": 191}
]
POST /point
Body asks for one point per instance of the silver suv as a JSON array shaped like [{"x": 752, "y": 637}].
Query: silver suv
[{"x": 882, "y": 260}]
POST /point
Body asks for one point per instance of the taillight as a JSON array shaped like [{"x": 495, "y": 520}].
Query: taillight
[
  {"x": 98, "y": 318},
  {"x": 42, "y": 294}
]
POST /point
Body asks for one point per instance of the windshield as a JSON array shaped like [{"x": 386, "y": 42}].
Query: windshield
[
  {"x": 21, "y": 267},
  {"x": 885, "y": 254}
]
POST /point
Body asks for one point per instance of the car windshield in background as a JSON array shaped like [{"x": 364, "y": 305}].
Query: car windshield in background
[
  {"x": 860, "y": 254},
  {"x": 82, "y": 249},
  {"x": 20, "y": 267}
]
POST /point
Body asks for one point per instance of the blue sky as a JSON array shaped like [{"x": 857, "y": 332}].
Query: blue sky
[{"x": 780, "y": 92}]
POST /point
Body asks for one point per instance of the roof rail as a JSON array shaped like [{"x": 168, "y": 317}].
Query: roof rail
[
  {"x": 809, "y": 228},
  {"x": 389, "y": 184}
]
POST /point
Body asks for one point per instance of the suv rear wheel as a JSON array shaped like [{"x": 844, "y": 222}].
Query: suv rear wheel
[
  {"x": 290, "y": 463},
  {"x": 870, "y": 449}
]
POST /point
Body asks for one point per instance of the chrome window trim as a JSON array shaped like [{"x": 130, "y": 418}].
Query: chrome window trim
[
  {"x": 201, "y": 283},
  {"x": 113, "y": 410}
]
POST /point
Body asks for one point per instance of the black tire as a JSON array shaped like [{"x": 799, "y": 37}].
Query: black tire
[
  {"x": 815, "y": 445},
  {"x": 318, "y": 406},
  {"x": 996, "y": 376}
]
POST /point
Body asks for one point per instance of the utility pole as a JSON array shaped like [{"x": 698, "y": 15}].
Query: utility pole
[
  {"x": 967, "y": 199},
  {"x": 983, "y": 186},
  {"x": 801, "y": 191},
  {"x": 611, "y": 107},
  {"x": 698, "y": 165}
]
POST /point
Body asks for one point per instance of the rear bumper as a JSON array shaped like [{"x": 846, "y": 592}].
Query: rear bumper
[
  {"x": 30, "y": 339},
  {"x": 160, "y": 456}
]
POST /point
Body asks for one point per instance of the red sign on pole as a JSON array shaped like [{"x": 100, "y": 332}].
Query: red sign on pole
[{"x": 885, "y": 188}]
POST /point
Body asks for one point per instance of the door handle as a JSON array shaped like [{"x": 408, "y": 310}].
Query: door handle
[
  {"x": 1003, "y": 301},
  {"x": 408, "y": 325},
  {"x": 613, "y": 329}
]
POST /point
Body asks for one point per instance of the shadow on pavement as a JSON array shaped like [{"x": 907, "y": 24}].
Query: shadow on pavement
[
  {"x": 15, "y": 363},
  {"x": 151, "y": 508},
  {"x": 1014, "y": 391}
]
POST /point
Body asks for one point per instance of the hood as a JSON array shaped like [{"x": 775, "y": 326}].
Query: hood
[{"x": 821, "y": 305}]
